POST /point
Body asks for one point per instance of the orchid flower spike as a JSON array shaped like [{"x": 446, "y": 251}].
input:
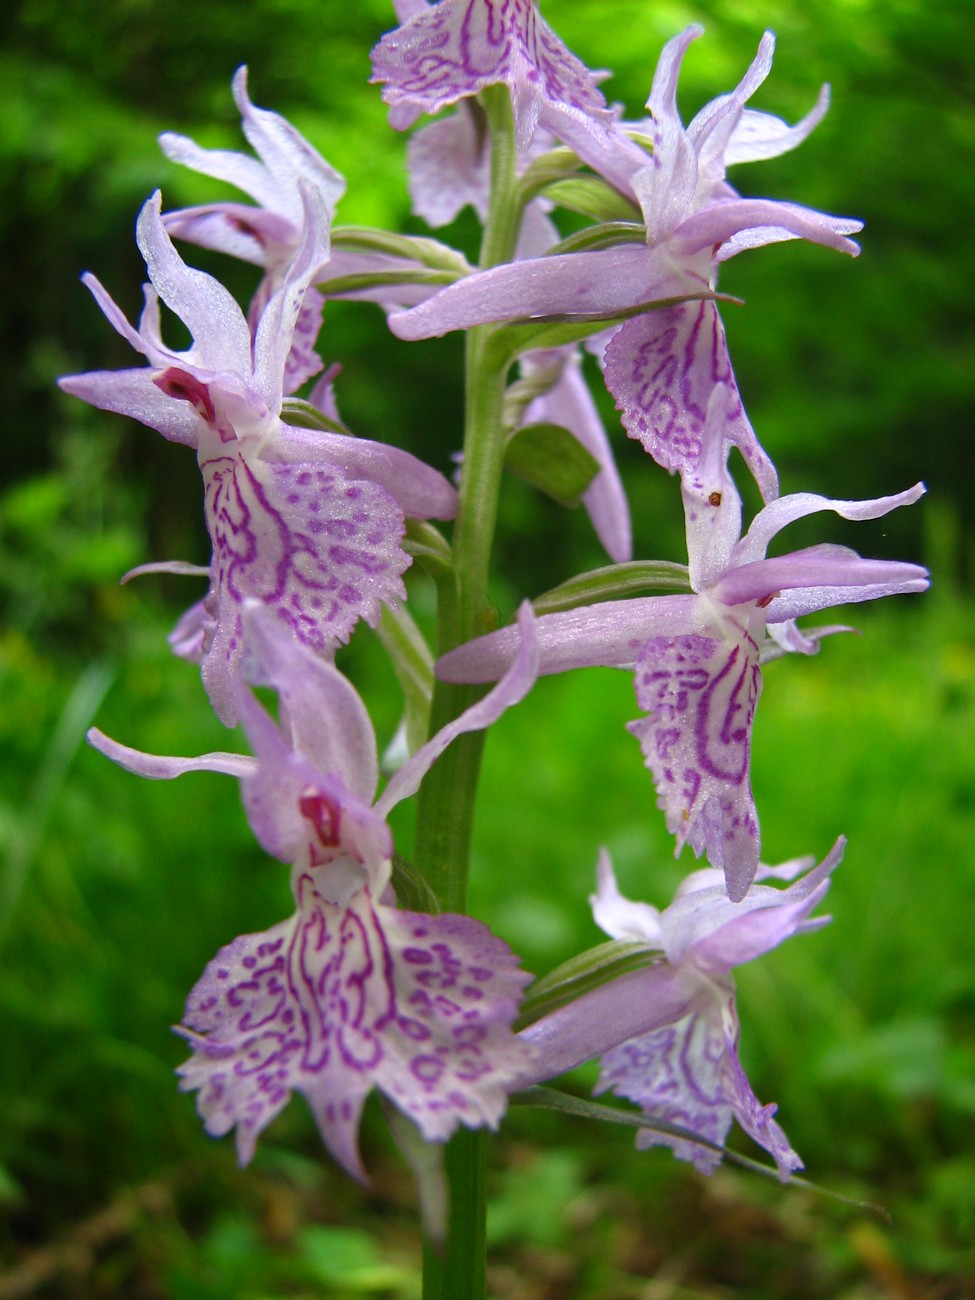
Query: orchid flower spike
[
  {"x": 668, "y": 1033},
  {"x": 697, "y": 658},
  {"x": 350, "y": 993},
  {"x": 308, "y": 522}
]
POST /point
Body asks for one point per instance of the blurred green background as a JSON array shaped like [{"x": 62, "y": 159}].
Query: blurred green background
[{"x": 114, "y": 893}]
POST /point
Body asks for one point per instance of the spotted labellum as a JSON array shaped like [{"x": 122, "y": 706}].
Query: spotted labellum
[
  {"x": 308, "y": 522},
  {"x": 351, "y": 992}
]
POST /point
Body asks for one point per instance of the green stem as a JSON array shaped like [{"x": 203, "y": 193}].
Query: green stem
[
  {"x": 445, "y": 813},
  {"x": 458, "y": 1271}
]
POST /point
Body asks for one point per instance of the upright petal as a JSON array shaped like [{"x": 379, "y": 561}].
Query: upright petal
[
  {"x": 272, "y": 179},
  {"x": 322, "y": 715},
  {"x": 618, "y": 916},
  {"x": 703, "y": 925},
  {"x": 209, "y": 311},
  {"x": 762, "y": 135},
  {"x": 798, "y": 505}
]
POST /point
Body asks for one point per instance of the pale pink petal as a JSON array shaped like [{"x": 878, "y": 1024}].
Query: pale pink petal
[
  {"x": 341, "y": 999},
  {"x": 287, "y": 156},
  {"x": 610, "y": 634},
  {"x": 675, "y": 1074},
  {"x": 701, "y": 695},
  {"x": 798, "y": 505},
  {"x": 671, "y": 377},
  {"x": 510, "y": 690},
  {"x": 599, "y": 284},
  {"x": 459, "y": 47},
  {"x": 712, "y": 128},
  {"x": 237, "y": 229},
  {"x": 721, "y": 222},
  {"x": 762, "y": 135},
  {"x": 158, "y": 767},
  {"x": 188, "y": 637},
  {"x": 600, "y": 1020},
  {"x": 618, "y": 916},
  {"x": 133, "y": 393},
  {"x": 420, "y": 491},
  {"x": 704, "y": 925},
  {"x": 449, "y": 167},
  {"x": 662, "y": 370},
  {"x": 280, "y": 353},
  {"x": 322, "y": 716},
  {"x": 308, "y": 817},
  {"x": 318, "y": 549},
  {"x": 449, "y": 1054},
  {"x": 755, "y": 1118},
  {"x": 208, "y": 310},
  {"x": 805, "y": 581}
]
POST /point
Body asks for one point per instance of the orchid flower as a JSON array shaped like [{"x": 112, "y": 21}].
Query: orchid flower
[
  {"x": 269, "y": 234},
  {"x": 697, "y": 659},
  {"x": 308, "y": 522},
  {"x": 693, "y": 219},
  {"x": 351, "y": 992},
  {"x": 668, "y": 1033},
  {"x": 457, "y": 48}
]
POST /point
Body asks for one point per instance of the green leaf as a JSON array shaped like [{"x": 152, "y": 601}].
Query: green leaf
[
  {"x": 581, "y": 975},
  {"x": 552, "y": 460},
  {"x": 591, "y": 197},
  {"x": 302, "y": 415},
  {"x": 614, "y": 582},
  {"x": 608, "y": 234},
  {"x": 428, "y": 545},
  {"x": 413, "y": 664},
  {"x": 411, "y": 889},
  {"x": 429, "y": 252},
  {"x": 373, "y": 279},
  {"x": 553, "y": 1099}
]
